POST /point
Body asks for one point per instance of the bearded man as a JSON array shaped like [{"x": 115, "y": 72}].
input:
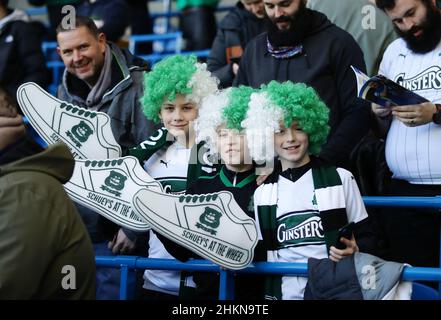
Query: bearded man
[
  {"x": 302, "y": 45},
  {"x": 412, "y": 144}
]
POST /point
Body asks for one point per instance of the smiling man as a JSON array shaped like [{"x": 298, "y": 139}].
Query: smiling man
[
  {"x": 412, "y": 143},
  {"x": 101, "y": 77}
]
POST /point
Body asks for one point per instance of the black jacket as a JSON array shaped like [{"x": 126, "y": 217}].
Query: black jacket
[
  {"x": 234, "y": 31},
  {"x": 328, "y": 53},
  {"x": 21, "y": 57}
]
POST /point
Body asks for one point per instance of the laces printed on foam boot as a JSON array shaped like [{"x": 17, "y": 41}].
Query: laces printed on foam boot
[
  {"x": 87, "y": 133},
  {"x": 211, "y": 225},
  {"x": 108, "y": 186}
]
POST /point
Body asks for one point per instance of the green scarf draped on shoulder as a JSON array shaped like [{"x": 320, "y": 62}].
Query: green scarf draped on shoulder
[
  {"x": 199, "y": 164},
  {"x": 330, "y": 198}
]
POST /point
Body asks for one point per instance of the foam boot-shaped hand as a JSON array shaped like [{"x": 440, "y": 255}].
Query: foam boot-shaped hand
[
  {"x": 211, "y": 225},
  {"x": 108, "y": 186},
  {"x": 87, "y": 133}
]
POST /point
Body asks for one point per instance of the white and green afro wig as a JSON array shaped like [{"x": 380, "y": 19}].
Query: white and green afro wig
[
  {"x": 227, "y": 107},
  {"x": 176, "y": 75},
  {"x": 285, "y": 102}
]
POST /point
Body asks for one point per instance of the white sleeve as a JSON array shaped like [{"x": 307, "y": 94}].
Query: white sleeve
[
  {"x": 355, "y": 208},
  {"x": 386, "y": 61}
]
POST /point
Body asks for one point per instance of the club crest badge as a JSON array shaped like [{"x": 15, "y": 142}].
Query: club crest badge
[
  {"x": 114, "y": 183},
  {"x": 80, "y": 133},
  {"x": 209, "y": 220}
]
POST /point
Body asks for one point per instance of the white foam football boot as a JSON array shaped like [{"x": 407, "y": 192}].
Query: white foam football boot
[
  {"x": 108, "y": 187},
  {"x": 87, "y": 133},
  {"x": 211, "y": 225}
]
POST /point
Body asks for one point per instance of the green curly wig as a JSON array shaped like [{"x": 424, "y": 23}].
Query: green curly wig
[
  {"x": 169, "y": 77},
  {"x": 302, "y": 104},
  {"x": 234, "y": 113},
  {"x": 226, "y": 107}
]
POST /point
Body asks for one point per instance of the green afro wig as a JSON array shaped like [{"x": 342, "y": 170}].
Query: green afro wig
[
  {"x": 302, "y": 104},
  {"x": 227, "y": 107},
  {"x": 288, "y": 102},
  {"x": 236, "y": 110},
  {"x": 175, "y": 75}
]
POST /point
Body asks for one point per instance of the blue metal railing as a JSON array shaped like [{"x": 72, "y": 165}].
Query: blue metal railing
[{"x": 226, "y": 283}]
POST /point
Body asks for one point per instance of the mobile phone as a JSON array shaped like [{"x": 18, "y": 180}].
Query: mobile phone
[{"x": 345, "y": 232}]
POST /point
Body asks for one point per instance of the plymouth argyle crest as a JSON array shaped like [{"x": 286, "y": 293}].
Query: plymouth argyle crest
[
  {"x": 108, "y": 186},
  {"x": 211, "y": 225}
]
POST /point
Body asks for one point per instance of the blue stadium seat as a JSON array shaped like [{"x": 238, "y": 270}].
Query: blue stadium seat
[
  {"x": 423, "y": 292},
  {"x": 54, "y": 64},
  {"x": 170, "y": 43}
]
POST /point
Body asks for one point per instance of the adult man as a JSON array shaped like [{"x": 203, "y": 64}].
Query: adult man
[
  {"x": 21, "y": 57},
  {"x": 412, "y": 144},
  {"x": 301, "y": 45},
  {"x": 369, "y": 26},
  {"x": 100, "y": 76},
  {"x": 45, "y": 252},
  {"x": 240, "y": 25}
]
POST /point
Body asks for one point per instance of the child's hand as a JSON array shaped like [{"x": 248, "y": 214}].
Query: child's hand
[{"x": 351, "y": 247}]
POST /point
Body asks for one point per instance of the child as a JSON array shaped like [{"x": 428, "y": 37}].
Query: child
[
  {"x": 219, "y": 125},
  {"x": 301, "y": 206},
  {"x": 173, "y": 91}
]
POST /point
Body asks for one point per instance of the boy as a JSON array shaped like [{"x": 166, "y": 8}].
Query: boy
[
  {"x": 301, "y": 206},
  {"x": 173, "y": 91},
  {"x": 219, "y": 125}
]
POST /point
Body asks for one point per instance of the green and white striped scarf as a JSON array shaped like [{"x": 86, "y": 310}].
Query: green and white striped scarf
[
  {"x": 330, "y": 198},
  {"x": 199, "y": 165}
]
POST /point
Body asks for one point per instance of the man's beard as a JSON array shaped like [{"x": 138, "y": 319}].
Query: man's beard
[
  {"x": 431, "y": 35},
  {"x": 299, "y": 27}
]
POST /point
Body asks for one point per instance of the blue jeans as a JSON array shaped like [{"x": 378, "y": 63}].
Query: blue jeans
[{"x": 108, "y": 279}]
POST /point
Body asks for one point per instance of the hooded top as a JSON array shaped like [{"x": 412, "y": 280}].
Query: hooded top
[
  {"x": 21, "y": 57},
  {"x": 324, "y": 64},
  {"x": 40, "y": 230}
]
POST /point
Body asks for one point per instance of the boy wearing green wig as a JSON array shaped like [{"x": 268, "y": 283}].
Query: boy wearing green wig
[
  {"x": 219, "y": 126},
  {"x": 301, "y": 206},
  {"x": 173, "y": 91}
]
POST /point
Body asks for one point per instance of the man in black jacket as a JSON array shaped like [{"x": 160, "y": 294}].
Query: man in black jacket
[
  {"x": 302, "y": 45},
  {"x": 240, "y": 25},
  {"x": 21, "y": 57}
]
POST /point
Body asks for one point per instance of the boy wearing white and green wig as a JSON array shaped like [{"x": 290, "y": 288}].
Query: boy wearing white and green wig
[
  {"x": 219, "y": 126},
  {"x": 173, "y": 91},
  {"x": 301, "y": 206}
]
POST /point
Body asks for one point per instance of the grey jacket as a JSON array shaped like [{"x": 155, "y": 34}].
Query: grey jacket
[
  {"x": 129, "y": 125},
  {"x": 121, "y": 100}
]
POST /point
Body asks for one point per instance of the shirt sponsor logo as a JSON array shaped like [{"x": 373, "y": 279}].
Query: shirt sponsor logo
[
  {"x": 426, "y": 80},
  {"x": 300, "y": 229}
]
